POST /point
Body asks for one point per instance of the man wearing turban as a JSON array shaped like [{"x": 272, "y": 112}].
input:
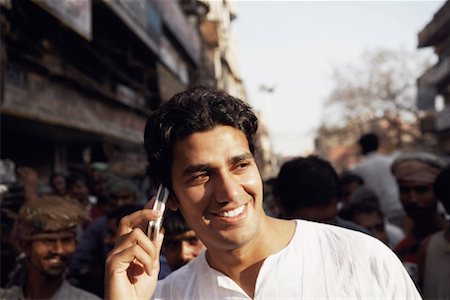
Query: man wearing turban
[
  {"x": 46, "y": 232},
  {"x": 415, "y": 174}
]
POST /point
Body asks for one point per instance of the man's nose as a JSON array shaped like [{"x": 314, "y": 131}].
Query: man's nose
[
  {"x": 412, "y": 196},
  {"x": 227, "y": 188},
  {"x": 58, "y": 247}
]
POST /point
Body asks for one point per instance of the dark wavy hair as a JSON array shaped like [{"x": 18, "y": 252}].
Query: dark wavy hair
[{"x": 195, "y": 110}]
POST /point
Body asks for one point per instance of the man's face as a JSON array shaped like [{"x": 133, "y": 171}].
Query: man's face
[
  {"x": 417, "y": 199},
  {"x": 218, "y": 187},
  {"x": 374, "y": 224},
  {"x": 122, "y": 198},
  {"x": 181, "y": 249},
  {"x": 50, "y": 253}
]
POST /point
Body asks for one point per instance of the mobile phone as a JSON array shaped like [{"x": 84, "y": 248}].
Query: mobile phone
[{"x": 160, "y": 205}]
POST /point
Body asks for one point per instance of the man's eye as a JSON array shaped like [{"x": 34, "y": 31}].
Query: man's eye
[
  {"x": 242, "y": 165},
  {"x": 404, "y": 189},
  {"x": 200, "y": 176},
  {"x": 67, "y": 240},
  {"x": 422, "y": 189},
  {"x": 193, "y": 241}
]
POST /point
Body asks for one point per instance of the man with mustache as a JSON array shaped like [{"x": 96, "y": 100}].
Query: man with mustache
[
  {"x": 45, "y": 231},
  {"x": 415, "y": 174},
  {"x": 201, "y": 146}
]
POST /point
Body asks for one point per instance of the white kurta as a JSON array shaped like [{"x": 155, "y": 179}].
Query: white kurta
[{"x": 320, "y": 262}]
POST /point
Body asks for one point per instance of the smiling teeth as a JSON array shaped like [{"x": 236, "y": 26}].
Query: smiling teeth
[{"x": 233, "y": 213}]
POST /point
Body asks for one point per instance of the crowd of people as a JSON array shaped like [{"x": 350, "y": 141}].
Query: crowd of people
[
  {"x": 85, "y": 208},
  {"x": 402, "y": 201},
  {"x": 63, "y": 243}
]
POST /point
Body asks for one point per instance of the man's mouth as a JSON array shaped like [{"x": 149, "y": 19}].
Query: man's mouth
[
  {"x": 56, "y": 260},
  {"x": 232, "y": 213}
]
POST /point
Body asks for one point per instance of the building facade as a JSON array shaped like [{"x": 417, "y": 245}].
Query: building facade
[
  {"x": 79, "y": 78},
  {"x": 434, "y": 84}
]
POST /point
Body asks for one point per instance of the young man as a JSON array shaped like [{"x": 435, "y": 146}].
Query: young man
[
  {"x": 200, "y": 145},
  {"x": 46, "y": 233}
]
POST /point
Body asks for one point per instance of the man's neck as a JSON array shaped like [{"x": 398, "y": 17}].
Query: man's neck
[
  {"x": 41, "y": 287},
  {"x": 242, "y": 265}
]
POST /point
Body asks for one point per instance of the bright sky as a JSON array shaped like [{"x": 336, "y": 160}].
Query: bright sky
[{"x": 294, "y": 46}]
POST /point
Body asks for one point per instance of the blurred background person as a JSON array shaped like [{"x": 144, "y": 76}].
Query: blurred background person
[
  {"x": 308, "y": 188},
  {"x": 58, "y": 183},
  {"x": 415, "y": 174},
  {"x": 180, "y": 244},
  {"x": 45, "y": 232},
  {"x": 375, "y": 170},
  {"x": 348, "y": 183},
  {"x": 89, "y": 258},
  {"x": 369, "y": 216},
  {"x": 78, "y": 189},
  {"x": 363, "y": 208},
  {"x": 434, "y": 257}
]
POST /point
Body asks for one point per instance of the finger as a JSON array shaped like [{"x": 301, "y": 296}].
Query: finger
[
  {"x": 136, "y": 237},
  {"x": 132, "y": 255},
  {"x": 135, "y": 219},
  {"x": 159, "y": 240}
]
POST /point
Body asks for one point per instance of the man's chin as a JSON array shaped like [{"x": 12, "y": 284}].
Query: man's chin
[{"x": 54, "y": 273}]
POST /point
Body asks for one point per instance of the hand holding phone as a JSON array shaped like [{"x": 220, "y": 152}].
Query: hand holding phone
[{"x": 154, "y": 227}]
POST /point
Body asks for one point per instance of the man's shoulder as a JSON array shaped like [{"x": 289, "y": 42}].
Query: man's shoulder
[
  {"x": 13, "y": 292},
  {"x": 179, "y": 278},
  {"x": 68, "y": 291},
  {"x": 373, "y": 160},
  {"x": 334, "y": 237}
]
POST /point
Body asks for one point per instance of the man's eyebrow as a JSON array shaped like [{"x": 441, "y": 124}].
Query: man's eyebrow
[
  {"x": 196, "y": 168},
  {"x": 207, "y": 167},
  {"x": 241, "y": 157}
]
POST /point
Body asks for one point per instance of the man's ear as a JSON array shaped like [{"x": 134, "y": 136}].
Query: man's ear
[{"x": 172, "y": 202}]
